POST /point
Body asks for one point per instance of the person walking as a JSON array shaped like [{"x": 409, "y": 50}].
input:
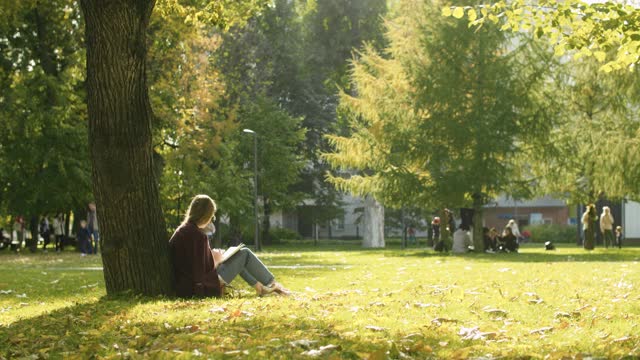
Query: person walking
[{"x": 606, "y": 227}]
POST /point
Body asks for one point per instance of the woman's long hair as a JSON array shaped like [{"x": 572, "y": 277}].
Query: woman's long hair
[{"x": 201, "y": 209}]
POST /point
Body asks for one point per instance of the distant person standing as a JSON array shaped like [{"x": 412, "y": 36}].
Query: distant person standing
[
  {"x": 619, "y": 236},
  {"x": 589, "y": 225},
  {"x": 450, "y": 221},
  {"x": 33, "y": 227},
  {"x": 58, "y": 231},
  {"x": 606, "y": 226},
  {"x": 435, "y": 228},
  {"x": 45, "y": 232},
  {"x": 18, "y": 230},
  {"x": 411, "y": 233},
  {"x": 84, "y": 239},
  {"x": 92, "y": 225}
]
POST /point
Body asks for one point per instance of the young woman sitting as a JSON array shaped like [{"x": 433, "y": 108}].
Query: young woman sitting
[{"x": 198, "y": 269}]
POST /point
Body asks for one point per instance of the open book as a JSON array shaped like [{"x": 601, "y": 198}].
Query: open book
[{"x": 230, "y": 252}]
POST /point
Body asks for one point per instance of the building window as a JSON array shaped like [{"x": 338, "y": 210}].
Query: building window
[{"x": 339, "y": 222}]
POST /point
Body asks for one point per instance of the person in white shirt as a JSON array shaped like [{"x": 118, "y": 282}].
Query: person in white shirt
[
  {"x": 606, "y": 226},
  {"x": 461, "y": 241}
]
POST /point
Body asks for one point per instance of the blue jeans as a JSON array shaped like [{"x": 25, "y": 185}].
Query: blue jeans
[{"x": 246, "y": 264}]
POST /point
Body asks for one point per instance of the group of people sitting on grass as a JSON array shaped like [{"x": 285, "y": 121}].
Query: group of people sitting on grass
[
  {"x": 493, "y": 242},
  {"x": 505, "y": 242}
]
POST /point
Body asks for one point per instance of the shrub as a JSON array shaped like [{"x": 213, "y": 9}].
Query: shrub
[
  {"x": 554, "y": 232},
  {"x": 279, "y": 233}
]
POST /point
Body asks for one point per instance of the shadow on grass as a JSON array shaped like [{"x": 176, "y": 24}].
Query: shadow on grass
[
  {"x": 530, "y": 253},
  {"x": 62, "y": 331},
  {"x": 304, "y": 254},
  {"x": 107, "y": 328}
]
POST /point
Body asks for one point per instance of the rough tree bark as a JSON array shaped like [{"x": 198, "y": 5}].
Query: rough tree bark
[{"x": 134, "y": 245}]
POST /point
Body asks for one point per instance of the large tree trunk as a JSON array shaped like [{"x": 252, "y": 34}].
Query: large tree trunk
[
  {"x": 134, "y": 243},
  {"x": 373, "y": 234}
]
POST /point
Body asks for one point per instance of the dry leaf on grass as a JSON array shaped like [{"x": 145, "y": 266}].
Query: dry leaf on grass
[
  {"x": 474, "y": 333},
  {"x": 495, "y": 312},
  {"x": 237, "y": 352},
  {"x": 303, "y": 343},
  {"x": 421, "y": 305},
  {"x": 541, "y": 330},
  {"x": 375, "y": 328},
  {"x": 622, "y": 339},
  {"x": 438, "y": 321},
  {"x": 321, "y": 350}
]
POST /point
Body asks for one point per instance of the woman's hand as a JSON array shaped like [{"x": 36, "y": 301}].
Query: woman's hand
[{"x": 217, "y": 256}]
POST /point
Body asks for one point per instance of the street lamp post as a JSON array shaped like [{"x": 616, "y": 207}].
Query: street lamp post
[{"x": 255, "y": 186}]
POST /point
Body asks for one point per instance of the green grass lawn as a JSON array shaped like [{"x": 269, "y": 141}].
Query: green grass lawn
[{"x": 348, "y": 303}]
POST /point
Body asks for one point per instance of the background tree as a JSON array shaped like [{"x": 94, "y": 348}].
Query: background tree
[
  {"x": 606, "y": 31},
  {"x": 332, "y": 31},
  {"x": 437, "y": 124},
  {"x": 44, "y": 165},
  {"x": 190, "y": 126},
  {"x": 602, "y": 40},
  {"x": 262, "y": 69},
  {"x": 591, "y": 149},
  {"x": 291, "y": 55}
]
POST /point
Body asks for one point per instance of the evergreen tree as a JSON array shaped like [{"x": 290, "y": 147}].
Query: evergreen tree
[{"x": 438, "y": 117}]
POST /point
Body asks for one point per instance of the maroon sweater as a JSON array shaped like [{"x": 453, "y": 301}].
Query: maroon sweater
[{"x": 193, "y": 264}]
